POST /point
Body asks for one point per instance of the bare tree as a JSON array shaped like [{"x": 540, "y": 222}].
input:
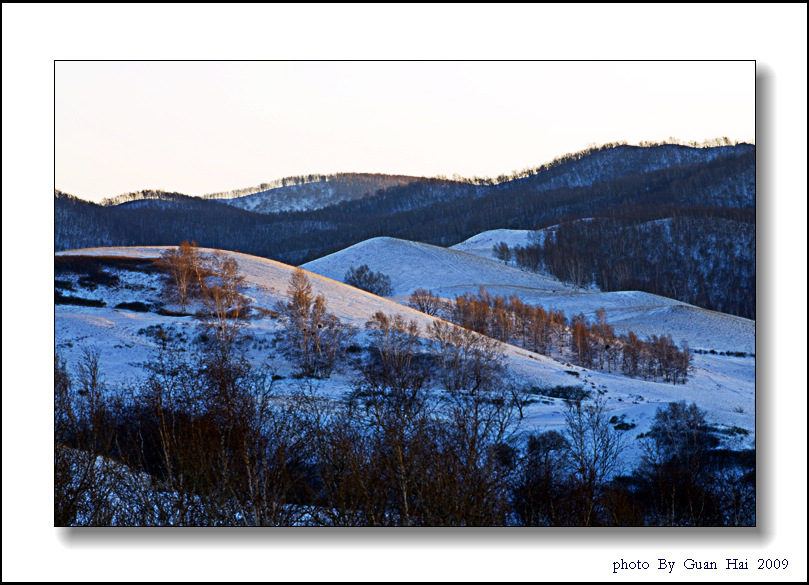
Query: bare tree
[
  {"x": 314, "y": 336},
  {"x": 469, "y": 362},
  {"x": 539, "y": 491},
  {"x": 393, "y": 374},
  {"x": 184, "y": 268},
  {"x": 690, "y": 482},
  {"x": 519, "y": 397},
  {"x": 502, "y": 252},
  {"x": 426, "y": 302},
  {"x": 87, "y": 481},
  {"x": 224, "y": 307},
  {"x": 224, "y": 270},
  {"x": 594, "y": 454},
  {"x": 392, "y": 387}
]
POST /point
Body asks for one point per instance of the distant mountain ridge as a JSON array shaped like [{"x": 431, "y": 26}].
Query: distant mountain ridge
[
  {"x": 298, "y": 223},
  {"x": 614, "y": 164},
  {"x": 584, "y": 168}
]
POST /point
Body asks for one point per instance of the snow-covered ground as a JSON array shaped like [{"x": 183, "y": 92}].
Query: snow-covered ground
[
  {"x": 722, "y": 385},
  {"x": 293, "y": 198},
  {"x": 450, "y": 272},
  {"x": 482, "y": 244},
  {"x": 445, "y": 271}
]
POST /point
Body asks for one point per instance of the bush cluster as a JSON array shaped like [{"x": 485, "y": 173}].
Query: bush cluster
[{"x": 366, "y": 279}]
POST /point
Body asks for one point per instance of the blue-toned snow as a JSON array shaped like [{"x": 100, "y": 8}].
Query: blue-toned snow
[{"x": 722, "y": 385}]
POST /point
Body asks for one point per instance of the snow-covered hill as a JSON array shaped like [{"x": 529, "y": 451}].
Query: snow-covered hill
[
  {"x": 445, "y": 271},
  {"x": 451, "y": 272},
  {"x": 722, "y": 385},
  {"x": 482, "y": 244}
]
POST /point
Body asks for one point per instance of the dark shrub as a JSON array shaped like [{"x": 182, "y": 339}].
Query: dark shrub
[
  {"x": 134, "y": 306},
  {"x": 61, "y": 299},
  {"x": 563, "y": 392},
  {"x": 167, "y": 313},
  {"x": 367, "y": 280},
  {"x": 99, "y": 277}
]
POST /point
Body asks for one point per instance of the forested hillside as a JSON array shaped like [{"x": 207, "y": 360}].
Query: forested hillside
[
  {"x": 150, "y": 218},
  {"x": 703, "y": 260},
  {"x": 79, "y": 223},
  {"x": 713, "y": 188}
]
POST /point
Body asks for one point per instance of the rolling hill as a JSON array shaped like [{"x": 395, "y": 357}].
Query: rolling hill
[
  {"x": 723, "y": 385},
  {"x": 452, "y": 272}
]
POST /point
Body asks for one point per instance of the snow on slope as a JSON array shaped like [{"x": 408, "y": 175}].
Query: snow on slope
[
  {"x": 317, "y": 194},
  {"x": 482, "y": 243},
  {"x": 116, "y": 332},
  {"x": 448, "y": 273},
  {"x": 724, "y": 386},
  {"x": 268, "y": 280},
  {"x": 292, "y": 198}
]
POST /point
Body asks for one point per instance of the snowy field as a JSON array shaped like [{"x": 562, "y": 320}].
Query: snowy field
[
  {"x": 450, "y": 272},
  {"x": 483, "y": 243},
  {"x": 722, "y": 385},
  {"x": 445, "y": 271}
]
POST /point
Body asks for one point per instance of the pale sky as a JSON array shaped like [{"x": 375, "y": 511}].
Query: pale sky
[{"x": 202, "y": 127}]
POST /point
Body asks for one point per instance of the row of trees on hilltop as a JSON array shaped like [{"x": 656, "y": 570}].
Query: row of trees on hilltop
[
  {"x": 592, "y": 149},
  {"x": 81, "y": 224},
  {"x": 283, "y": 182},
  {"x": 360, "y": 183},
  {"x": 146, "y": 194}
]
